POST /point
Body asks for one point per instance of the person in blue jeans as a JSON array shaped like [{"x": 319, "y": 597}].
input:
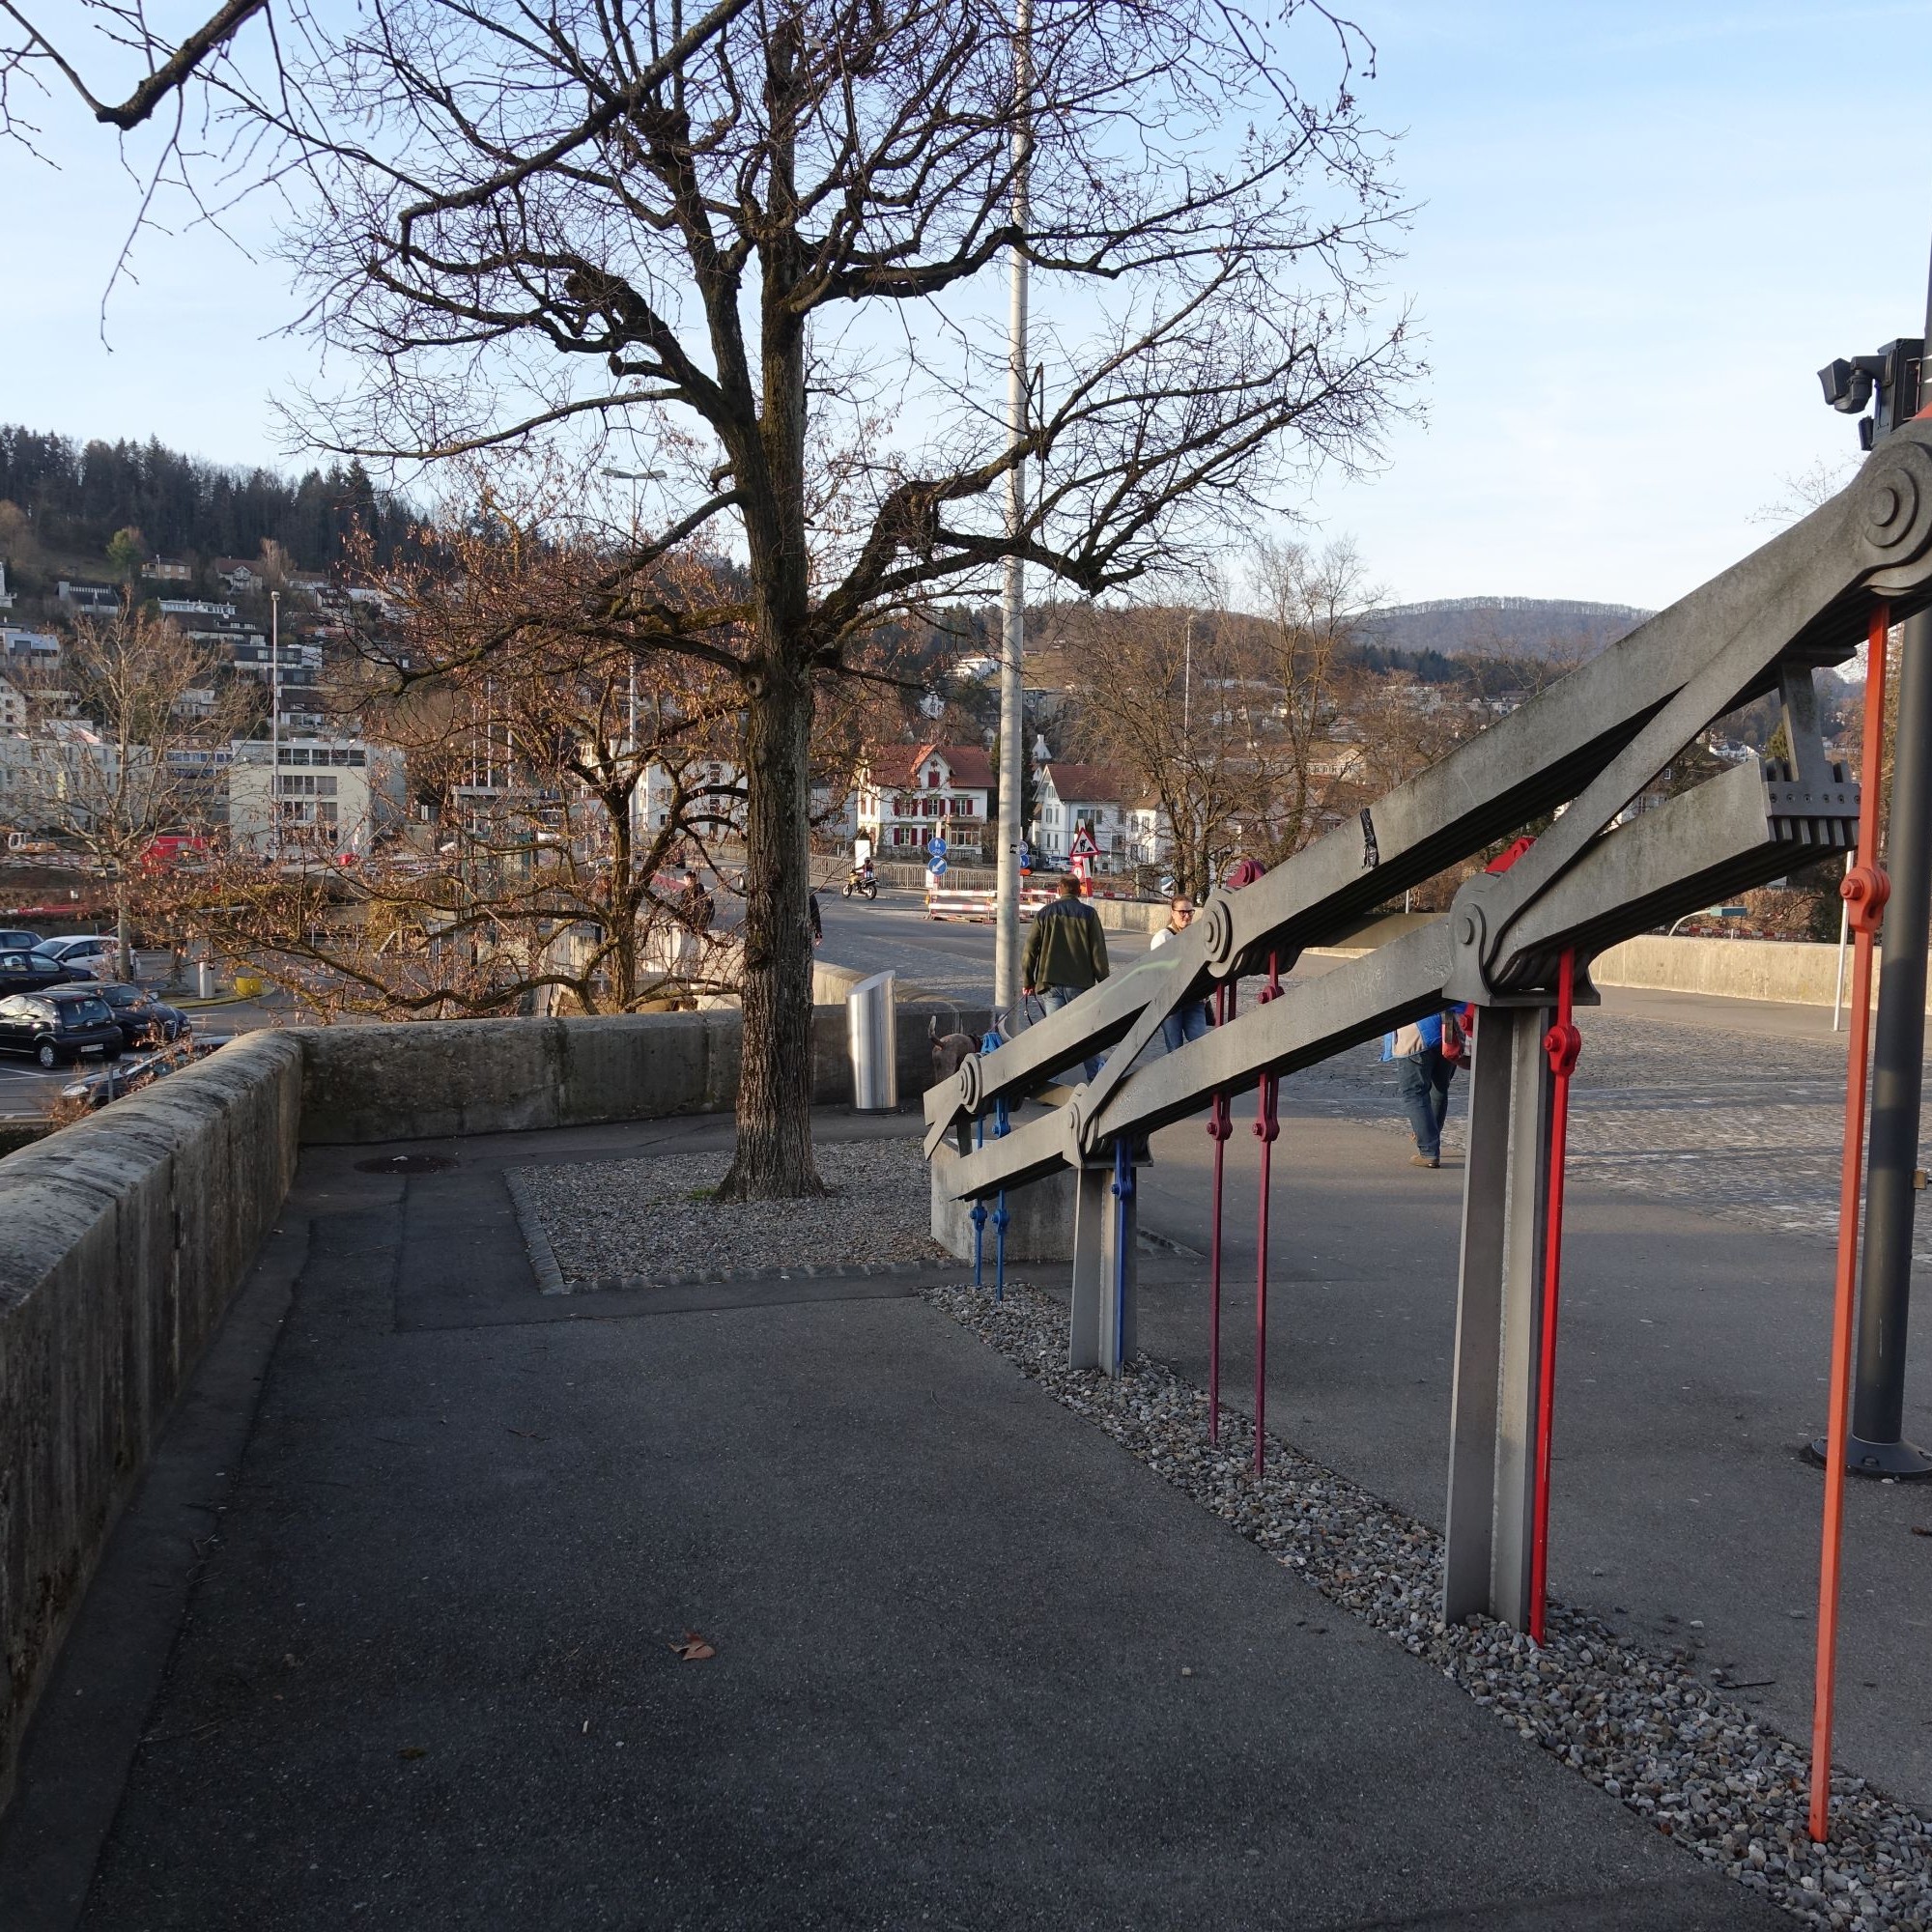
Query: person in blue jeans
[
  {"x": 1423, "y": 1071},
  {"x": 1191, "y": 1021}
]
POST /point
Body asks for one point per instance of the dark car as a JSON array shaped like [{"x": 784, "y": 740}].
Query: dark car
[
  {"x": 23, "y": 971},
  {"x": 58, "y": 1023},
  {"x": 142, "y": 1017},
  {"x": 14, "y": 940}
]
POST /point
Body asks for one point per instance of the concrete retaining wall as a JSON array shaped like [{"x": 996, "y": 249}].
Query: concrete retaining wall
[
  {"x": 1041, "y": 1227},
  {"x": 120, "y": 1241},
  {"x": 1737, "y": 969}
]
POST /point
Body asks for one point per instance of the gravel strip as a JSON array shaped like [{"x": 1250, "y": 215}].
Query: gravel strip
[
  {"x": 638, "y": 1220},
  {"x": 1644, "y": 1727}
]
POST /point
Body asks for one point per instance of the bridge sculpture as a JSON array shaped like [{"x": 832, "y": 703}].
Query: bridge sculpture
[{"x": 1517, "y": 944}]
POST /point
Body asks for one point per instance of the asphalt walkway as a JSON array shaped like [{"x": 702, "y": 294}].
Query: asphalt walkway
[{"x": 390, "y": 1637}]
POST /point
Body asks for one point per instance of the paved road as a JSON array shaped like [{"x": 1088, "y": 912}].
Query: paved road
[{"x": 950, "y": 958}]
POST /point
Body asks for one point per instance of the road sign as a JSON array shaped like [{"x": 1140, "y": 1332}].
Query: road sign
[
  {"x": 937, "y": 866},
  {"x": 1024, "y": 855},
  {"x": 936, "y": 846}
]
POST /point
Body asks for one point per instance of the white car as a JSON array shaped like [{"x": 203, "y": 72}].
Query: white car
[{"x": 93, "y": 952}]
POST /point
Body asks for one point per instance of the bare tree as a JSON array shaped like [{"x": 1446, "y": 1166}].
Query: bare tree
[
  {"x": 764, "y": 257},
  {"x": 1313, "y": 603},
  {"x": 557, "y": 784},
  {"x": 1180, "y": 702},
  {"x": 127, "y": 739}
]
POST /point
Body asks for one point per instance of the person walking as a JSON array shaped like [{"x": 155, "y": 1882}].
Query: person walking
[
  {"x": 1066, "y": 953},
  {"x": 1426, "y": 1054},
  {"x": 1191, "y": 1021}
]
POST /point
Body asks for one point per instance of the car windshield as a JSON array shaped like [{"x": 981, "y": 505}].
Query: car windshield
[
  {"x": 125, "y": 995},
  {"x": 86, "y": 1012}
]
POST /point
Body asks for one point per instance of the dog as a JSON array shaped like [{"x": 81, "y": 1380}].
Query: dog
[{"x": 949, "y": 1050}]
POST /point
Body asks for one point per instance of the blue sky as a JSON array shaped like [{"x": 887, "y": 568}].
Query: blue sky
[{"x": 1639, "y": 231}]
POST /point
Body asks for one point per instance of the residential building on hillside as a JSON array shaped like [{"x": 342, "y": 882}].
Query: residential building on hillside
[
  {"x": 99, "y": 598},
  {"x": 193, "y": 607},
  {"x": 167, "y": 570},
  {"x": 23, "y": 649},
  {"x": 241, "y": 575},
  {"x": 5, "y": 595},
  {"x": 13, "y": 708},
  {"x": 909, "y": 792},
  {"x": 1069, "y": 798},
  {"x": 329, "y": 794}
]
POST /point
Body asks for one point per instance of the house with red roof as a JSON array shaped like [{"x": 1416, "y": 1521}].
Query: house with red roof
[
  {"x": 908, "y": 792},
  {"x": 1071, "y": 797}
]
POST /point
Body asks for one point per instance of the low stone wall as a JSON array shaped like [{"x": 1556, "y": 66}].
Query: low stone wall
[
  {"x": 120, "y": 1241},
  {"x": 435, "y": 1079}
]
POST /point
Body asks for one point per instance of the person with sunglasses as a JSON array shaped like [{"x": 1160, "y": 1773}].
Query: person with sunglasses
[{"x": 1191, "y": 1021}]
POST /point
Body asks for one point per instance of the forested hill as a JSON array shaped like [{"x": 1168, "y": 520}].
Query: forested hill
[
  {"x": 75, "y": 496},
  {"x": 1508, "y": 627}
]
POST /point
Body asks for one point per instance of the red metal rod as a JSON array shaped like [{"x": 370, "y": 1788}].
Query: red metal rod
[
  {"x": 1267, "y": 1129},
  {"x": 1562, "y": 1043},
  {"x": 1865, "y": 891},
  {"x": 1219, "y": 1126}
]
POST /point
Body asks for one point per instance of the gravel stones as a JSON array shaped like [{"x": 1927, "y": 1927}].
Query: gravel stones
[
  {"x": 631, "y": 1220},
  {"x": 1708, "y": 1773}
]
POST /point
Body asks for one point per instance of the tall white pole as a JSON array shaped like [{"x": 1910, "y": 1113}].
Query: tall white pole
[
  {"x": 1013, "y": 748},
  {"x": 275, "y": 724}
]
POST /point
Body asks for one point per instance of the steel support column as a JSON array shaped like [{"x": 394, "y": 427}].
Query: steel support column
[
  {"x": 1876, "y": 1446},
  {"x": 1094, "y": 1207},
  {"x": 1499, "y": 1321},
  {"x": 1120, "y": 1271}
]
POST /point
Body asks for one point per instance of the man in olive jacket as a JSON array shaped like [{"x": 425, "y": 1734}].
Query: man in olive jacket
[{"x": 1066, "y": 953}]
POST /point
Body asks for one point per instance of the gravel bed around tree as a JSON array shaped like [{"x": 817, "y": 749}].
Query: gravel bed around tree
[
  {"x": 652, "y": 1219},
  {"x": 1645, "y": 1727}
]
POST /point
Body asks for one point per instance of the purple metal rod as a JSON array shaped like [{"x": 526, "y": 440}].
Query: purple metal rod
[
  {"x": 1267, "y": 1129},
  {"x": 1219, "y": 1127}
]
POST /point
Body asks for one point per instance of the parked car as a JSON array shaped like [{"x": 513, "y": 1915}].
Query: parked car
[
  {"x": 25, "y": 971},
  {"x": 143, "y": 1018},
  {"x": 19, "y": 940},
  {"x": 93, "y": 952},
  {"x": 60, "y": 1023}
]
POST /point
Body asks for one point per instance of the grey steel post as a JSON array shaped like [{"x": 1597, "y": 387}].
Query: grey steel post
[
  {"x": 1877, "y": 1446},
  {"x": 1092, "y": 1244},
  {"x": 1012, "y": 723},
  {"x": 1499, "y": 1322}
]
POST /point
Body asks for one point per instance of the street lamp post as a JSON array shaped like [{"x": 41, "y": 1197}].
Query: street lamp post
[
  {"x": 276, "y": 725},
  {"x": 1012, "y": 723}
]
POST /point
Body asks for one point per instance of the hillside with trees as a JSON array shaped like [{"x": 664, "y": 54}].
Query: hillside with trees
[{"x": 69, "y": 499}]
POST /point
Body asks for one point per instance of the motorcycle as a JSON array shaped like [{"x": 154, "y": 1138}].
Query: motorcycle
[{"x": 862, "y": 882}]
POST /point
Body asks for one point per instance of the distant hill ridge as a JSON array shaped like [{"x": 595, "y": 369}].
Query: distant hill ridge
[{"x": 1535, "y": 627}]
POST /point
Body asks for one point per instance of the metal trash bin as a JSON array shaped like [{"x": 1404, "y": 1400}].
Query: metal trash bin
[
  {"x": 204, "y": 980},
  {"x": 872, "y": 1036}
]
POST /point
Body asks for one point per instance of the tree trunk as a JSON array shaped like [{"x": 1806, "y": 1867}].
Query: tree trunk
[
  {"x": 774, "y": 1160},
  {"x": 125, "y": 959}
]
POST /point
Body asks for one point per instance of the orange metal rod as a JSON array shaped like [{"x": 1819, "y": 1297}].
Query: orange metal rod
[{"x": 1865, "y": 891}]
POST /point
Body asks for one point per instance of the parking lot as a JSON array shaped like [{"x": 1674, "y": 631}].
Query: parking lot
[{"x": 27, "y": 1090}]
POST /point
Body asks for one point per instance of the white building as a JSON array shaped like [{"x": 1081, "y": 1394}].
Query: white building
[
  {"x": 911, "y": 792},
  {"x": 332, "y": 794},
  {"x": 47, "y": 777},
  {"x": 1071, "y": 797}
]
